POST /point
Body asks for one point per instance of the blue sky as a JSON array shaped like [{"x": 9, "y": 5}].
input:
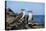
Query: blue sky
[{"x": 37, "y": 8}]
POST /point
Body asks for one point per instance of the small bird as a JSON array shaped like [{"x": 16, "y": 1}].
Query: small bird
[
  {"x": 19, "y": 17},
  {"x": 30, "y": 17},
  {"x": 22, "y": 11}
]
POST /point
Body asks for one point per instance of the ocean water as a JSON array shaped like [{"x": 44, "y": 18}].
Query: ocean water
[{"x": 39, "y": 18}]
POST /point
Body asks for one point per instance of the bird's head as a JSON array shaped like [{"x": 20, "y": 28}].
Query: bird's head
[
  {"x": 29, "y": 11},
  {"x": 21, "y": 11}
]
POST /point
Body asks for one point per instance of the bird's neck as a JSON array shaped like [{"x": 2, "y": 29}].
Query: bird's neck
[{"x": 30, "y": 13}]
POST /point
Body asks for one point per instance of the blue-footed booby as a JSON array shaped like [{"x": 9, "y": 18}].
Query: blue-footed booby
[{"x": 30, "y": 17}]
